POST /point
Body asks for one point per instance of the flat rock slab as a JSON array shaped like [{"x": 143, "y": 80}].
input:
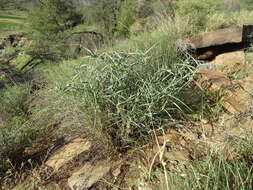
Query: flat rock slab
[
  {"x": 208, "y": 45},
  {"x": 67, "y": 153},
  {"x": 226, "y": 63},
  {"x": 89, "y": 174},
  {"x": 232, "y": 34}
]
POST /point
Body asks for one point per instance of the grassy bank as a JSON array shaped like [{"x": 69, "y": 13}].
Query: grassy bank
[
  {"x": 11, "y": 23},
  {"x": 12, "y": 17},
  {"x": 121, "y": 94}
]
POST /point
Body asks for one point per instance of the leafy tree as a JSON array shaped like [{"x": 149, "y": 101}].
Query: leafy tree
[
  {"x": 115, "y": 16},
  {"x": 107, "y": 15},
  {"x": 50, "y": 22},
  {"x": 3, "y": 3},
  {"x": 126, "y": 18}
]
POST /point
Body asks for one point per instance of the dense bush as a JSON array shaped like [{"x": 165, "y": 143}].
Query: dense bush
[{"x": 114, "y": 16}]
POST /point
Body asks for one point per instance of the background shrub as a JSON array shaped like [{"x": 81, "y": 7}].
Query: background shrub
[{"x": 198, "y": 12}]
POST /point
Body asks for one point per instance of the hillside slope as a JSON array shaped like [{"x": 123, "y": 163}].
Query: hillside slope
[{"x": 167, "y": 107}]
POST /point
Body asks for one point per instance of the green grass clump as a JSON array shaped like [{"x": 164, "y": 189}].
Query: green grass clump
[
  {"x": 218, "y": 169},
  {"x": 129, "y": 91},
  {"x": 216, "y": 172},
  {"x": 209, "y": 105},
  {"x": 132, "y": 92}
]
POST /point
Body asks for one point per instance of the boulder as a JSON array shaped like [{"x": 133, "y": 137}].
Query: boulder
[
  {"x": 76, "y": 42},
  {"x": 211, "y": 44}
]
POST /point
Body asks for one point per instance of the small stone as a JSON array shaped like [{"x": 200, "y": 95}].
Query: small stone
[
  {"x": 176, "y": 155},
  {"x": 88, "y": 175},
  {"x": 116, "y": 172}
]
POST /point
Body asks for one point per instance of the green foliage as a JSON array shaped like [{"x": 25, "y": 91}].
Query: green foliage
[
  {"x": 114, "y": 16},
  {"x": 212, "y": 102},
  {"x": 49, "y": 23},
  {"x": 107, "y": 15},
  {"x": 53, "y": 17},
  {"x": 125, "y": 18},
  {"x": 215, "y": 172},
  {"x": 90, "y": 14},
  {"x": 246, "y": 4},
  {"x": 17, "y": 4},
  {"x": 3, "y": 3},
  {"x": 12, "y": 100},
  {"x": 8, "y": 52}
]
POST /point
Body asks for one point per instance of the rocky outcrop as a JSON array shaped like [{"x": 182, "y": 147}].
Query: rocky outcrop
[
  {"x": 78, "y": 165},
  {"x": 226, "y": 66},
  {"x": 238, "y": 94},
  {"x": 67, "y": 153},
  {"x": 220, "y": 37},
  {"x": 14, "y": 40}
]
